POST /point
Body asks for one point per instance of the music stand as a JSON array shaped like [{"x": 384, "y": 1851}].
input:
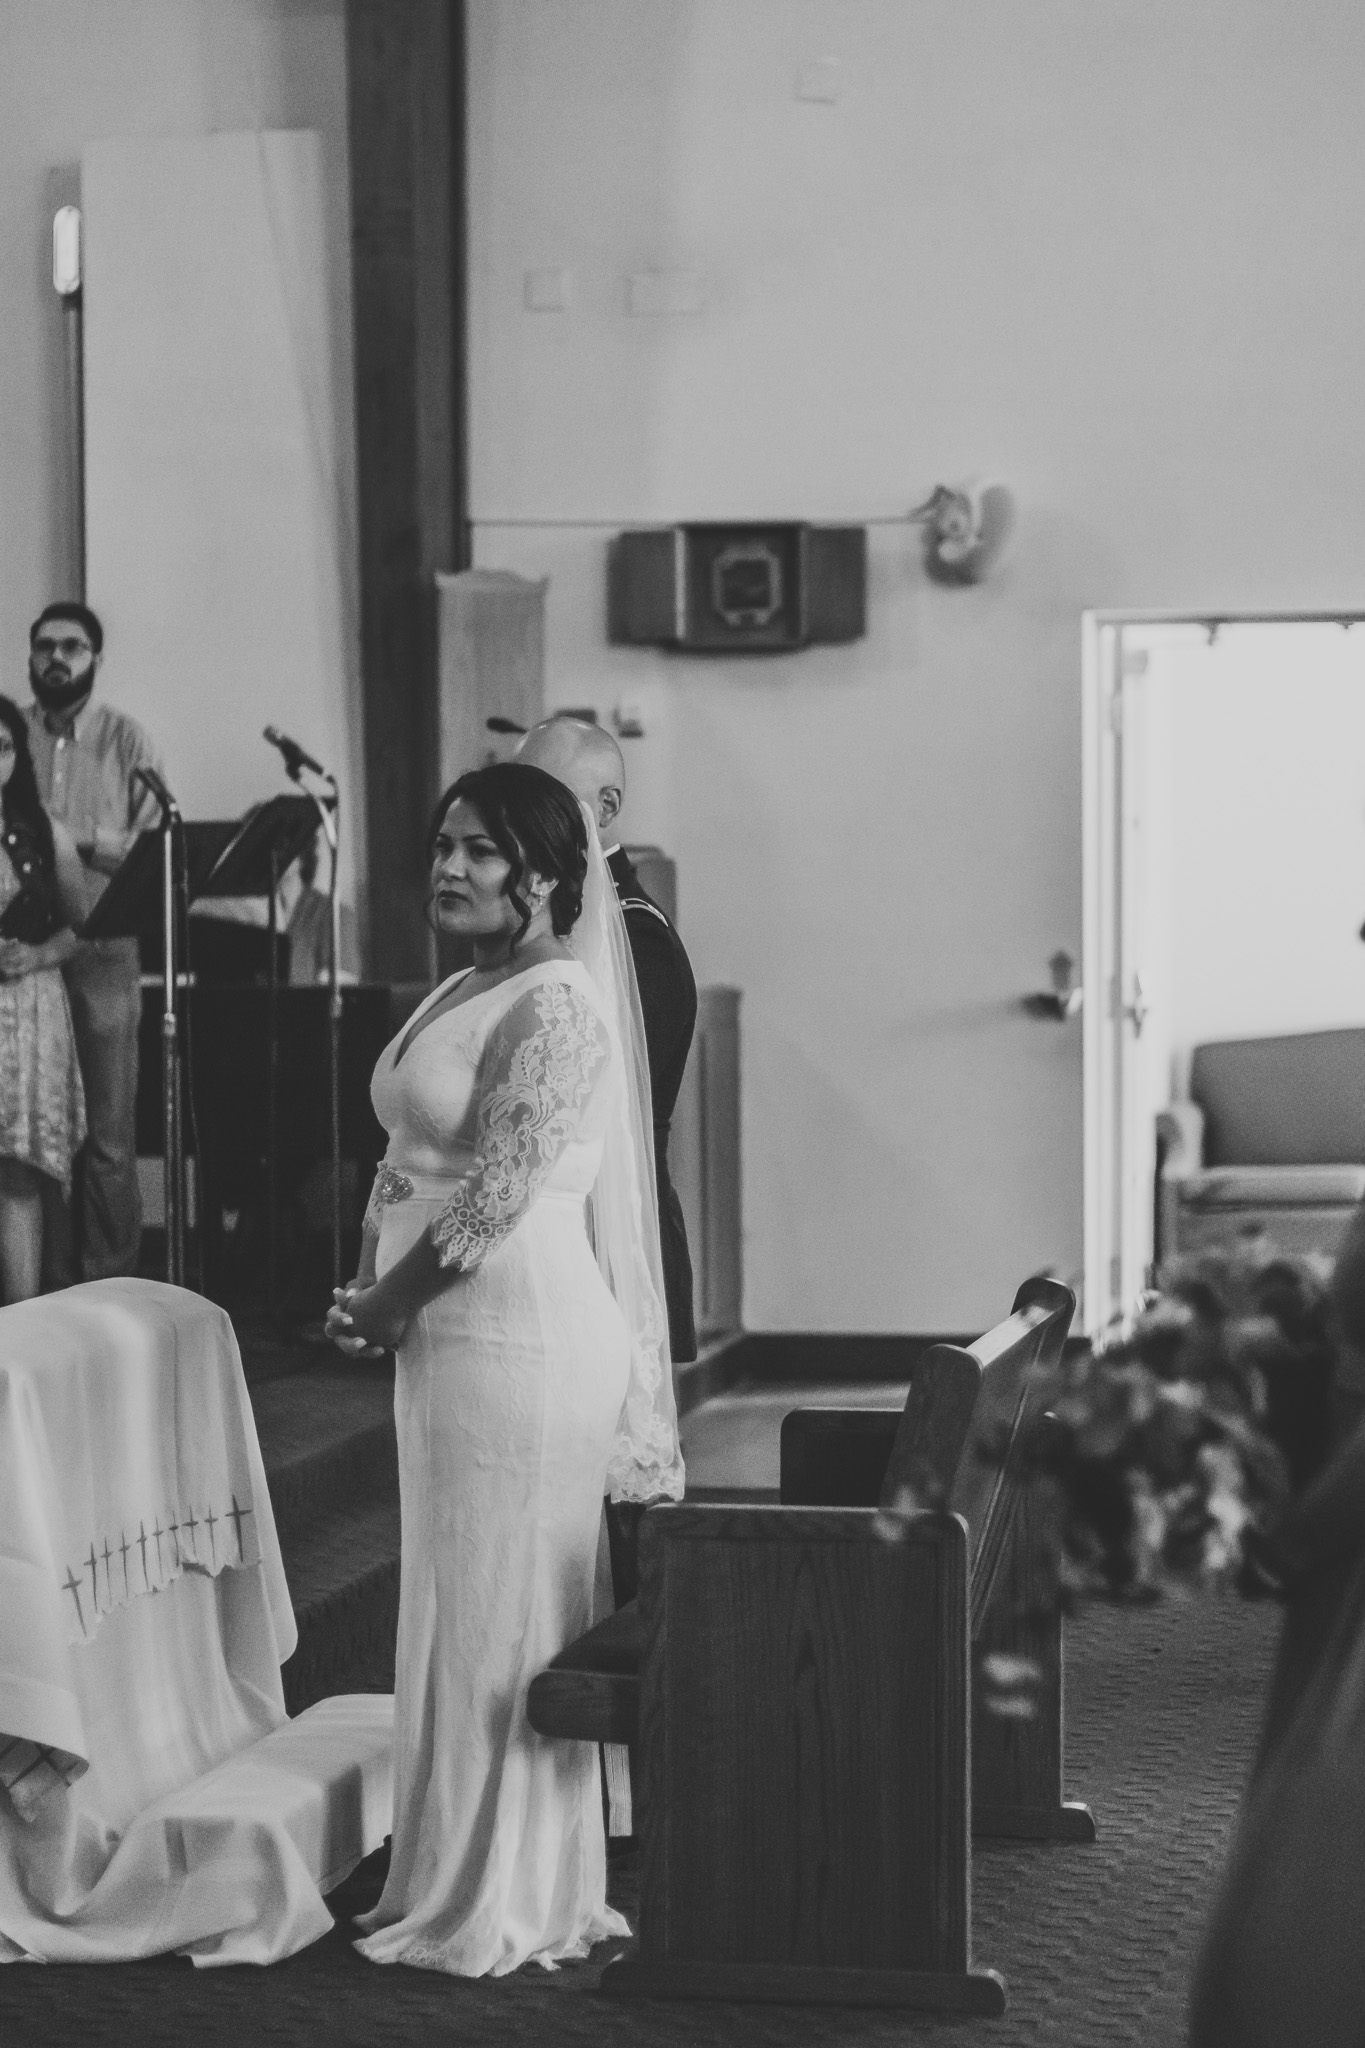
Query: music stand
[
  {"x": 161, "y": 872},
  {"x": 131, "y": 907},
  {"x": 267, "y": 842}
]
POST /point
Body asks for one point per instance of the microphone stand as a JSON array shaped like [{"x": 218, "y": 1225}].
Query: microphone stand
[
  {"x": 329, "y": 812},
  {"x": 328, "y": 808},
  {"x": 173, "y": 1144},
  {"x": 272, "y": 1094}
]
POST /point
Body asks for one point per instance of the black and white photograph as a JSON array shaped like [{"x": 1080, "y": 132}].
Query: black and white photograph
[{"x": 682, "y": 1023}]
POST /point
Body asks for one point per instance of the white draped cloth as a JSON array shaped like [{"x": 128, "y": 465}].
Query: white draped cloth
[{"x": 144, "y": 1616}]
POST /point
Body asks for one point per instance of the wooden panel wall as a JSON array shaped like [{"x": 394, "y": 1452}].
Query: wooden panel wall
[
  {"x": 491, "y": 656},
  {"x": 407, "y": 153},
  {"x": 704, "y": 1161}
]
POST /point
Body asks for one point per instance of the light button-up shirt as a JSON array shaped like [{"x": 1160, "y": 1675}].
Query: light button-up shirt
[{"x": 85, "y": 771}]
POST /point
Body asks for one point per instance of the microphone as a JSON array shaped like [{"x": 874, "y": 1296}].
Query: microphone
[
  {"x": 294, "y": 755},
  {"x": 152, "y": 781}
]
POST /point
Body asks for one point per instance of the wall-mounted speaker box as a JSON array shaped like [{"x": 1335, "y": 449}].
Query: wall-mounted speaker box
[{"x": 750, "y": 588}]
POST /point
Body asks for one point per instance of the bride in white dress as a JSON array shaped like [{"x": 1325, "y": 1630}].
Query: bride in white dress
[{"x": 533, "y": 1371}]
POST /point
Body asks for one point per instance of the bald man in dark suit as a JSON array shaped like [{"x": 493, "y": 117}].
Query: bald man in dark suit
[{"x": 587, "y": 759}]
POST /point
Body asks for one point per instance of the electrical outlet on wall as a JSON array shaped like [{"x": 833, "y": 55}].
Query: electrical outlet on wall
[
  {"x": 545, "y": 291},
  {"x": 629, "y": 718},
  {"x": 819, "y": 79}
]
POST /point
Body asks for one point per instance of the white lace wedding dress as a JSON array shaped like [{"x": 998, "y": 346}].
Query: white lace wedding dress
[{"x": 509, "y": 1392}]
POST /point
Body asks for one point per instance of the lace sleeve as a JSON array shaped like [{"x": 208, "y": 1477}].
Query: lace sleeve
[{"x": 542, "y": 1062}]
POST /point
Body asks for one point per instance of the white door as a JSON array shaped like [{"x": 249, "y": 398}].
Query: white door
[
  {"x": 1224, "y": 879},
  {"x": 1145, "y": 993},
  {"x": 1127, "y": 968},
  {"x": 1102, "y": 720}
]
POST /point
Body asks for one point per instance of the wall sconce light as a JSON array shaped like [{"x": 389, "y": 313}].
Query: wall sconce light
[
  {"x": 965, "y": 530},
  {"x": 66, "y": 282},
  {"x": 66, "y": 251}
]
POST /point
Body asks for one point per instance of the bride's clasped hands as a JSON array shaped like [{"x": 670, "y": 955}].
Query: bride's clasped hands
[{"x": 360, "y": 1324}]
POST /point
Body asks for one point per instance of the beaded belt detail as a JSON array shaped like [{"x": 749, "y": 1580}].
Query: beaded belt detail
[{"x": 390, "y": 1185}]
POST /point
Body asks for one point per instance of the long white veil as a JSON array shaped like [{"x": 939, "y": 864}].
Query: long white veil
[{"x": 646, "y": 1460}]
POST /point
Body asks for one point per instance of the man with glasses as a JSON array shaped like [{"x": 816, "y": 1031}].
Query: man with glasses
[{"x": 85, "y": 756}]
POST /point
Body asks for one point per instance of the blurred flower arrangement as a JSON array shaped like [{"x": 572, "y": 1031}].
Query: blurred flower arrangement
[{"x": 1174, "y": 1446}]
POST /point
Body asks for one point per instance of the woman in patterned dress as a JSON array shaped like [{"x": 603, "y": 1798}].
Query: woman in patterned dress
[
  {"x": 42, "y": 1103},
  {"x": 533, "y": 1371}
]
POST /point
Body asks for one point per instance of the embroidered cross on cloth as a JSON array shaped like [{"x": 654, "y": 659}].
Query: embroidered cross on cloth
[{"x": 128, "y": 1457}]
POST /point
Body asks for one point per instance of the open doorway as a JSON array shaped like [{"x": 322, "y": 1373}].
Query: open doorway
[{"x": 1224, "y": 811}]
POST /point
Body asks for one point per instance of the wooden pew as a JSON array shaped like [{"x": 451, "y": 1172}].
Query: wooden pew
[
  {"x": 591, "y": 1690},
  {"x": 805, "y": 1714},
  {"x": 804, "y": 1731},
  {"x": 841, "y": 1457},
  {"x": 833, "y": 1457}
]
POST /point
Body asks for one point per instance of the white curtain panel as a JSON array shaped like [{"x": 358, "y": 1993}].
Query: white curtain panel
[{"x": 220, "y": 508}]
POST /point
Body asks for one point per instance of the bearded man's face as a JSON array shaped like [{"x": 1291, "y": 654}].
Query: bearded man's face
[{"x": 61, "y": 664}]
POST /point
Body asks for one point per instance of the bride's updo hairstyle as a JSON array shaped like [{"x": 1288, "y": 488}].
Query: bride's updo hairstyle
[{"x": 535, "y": 823}]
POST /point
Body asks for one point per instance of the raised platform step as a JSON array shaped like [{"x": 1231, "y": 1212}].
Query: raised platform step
[
  {"x": 272, "y": 1351},
  {"x": 343, "y": 1580},
  {"x": 328, "y": 1442},
  {"x": 732, "y": 1441},
  {"x": 327, "y": 1439}
]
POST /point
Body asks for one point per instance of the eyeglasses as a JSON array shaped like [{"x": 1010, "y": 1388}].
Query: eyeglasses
[{"x": 68, "y": 649}]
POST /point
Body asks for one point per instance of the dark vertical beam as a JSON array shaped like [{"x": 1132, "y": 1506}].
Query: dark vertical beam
[{"x": 407, "y": 157}]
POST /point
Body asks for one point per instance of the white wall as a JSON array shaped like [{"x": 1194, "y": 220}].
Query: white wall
[
  {"x": 77, "y": 71},
  {"x": 1103, "y": 252}
]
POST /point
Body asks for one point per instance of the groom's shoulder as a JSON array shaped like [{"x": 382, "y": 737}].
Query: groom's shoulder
[
  {"x": 644, "y": 917},
  {"x": 634, "y": 898},
  {"x": 660, "y": 955},
  {"x": 646, "y": 906}
]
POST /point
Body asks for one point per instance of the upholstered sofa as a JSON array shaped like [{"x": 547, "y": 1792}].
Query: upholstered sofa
[{"x": 1270, "y": 1144}]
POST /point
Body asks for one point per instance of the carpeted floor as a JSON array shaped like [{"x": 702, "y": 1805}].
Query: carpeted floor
[{"x": 1096, "y": 1943}]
